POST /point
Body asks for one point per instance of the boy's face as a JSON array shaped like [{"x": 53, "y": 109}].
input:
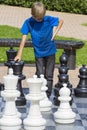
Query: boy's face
[{"x": 38, "y": 19}]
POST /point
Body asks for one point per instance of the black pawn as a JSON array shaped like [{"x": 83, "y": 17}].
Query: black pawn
[
  {"x": 63, "y": 78},
  {"x": 17, "y": 70},
  {"x": 81, "y": 89}
]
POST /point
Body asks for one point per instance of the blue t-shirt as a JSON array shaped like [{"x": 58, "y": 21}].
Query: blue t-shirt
[{"x": 41, "y": 34}]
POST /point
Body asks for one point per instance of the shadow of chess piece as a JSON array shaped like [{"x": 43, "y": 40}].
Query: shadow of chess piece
[
  {"x": 62, "y": 78},
  {"x": 17, "y": 70},
  {"x": 81, "y": 89}
]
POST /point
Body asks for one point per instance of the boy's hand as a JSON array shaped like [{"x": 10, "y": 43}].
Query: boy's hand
[
  {"x": 17, "y": 58},
  {"x": 19, "y": 54}
]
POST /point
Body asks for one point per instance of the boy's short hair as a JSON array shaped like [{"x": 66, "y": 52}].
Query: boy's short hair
[{"x": 38, "y": 10}]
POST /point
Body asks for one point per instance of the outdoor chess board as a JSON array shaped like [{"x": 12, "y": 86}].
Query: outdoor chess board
[{"x": 79, "y": 106}]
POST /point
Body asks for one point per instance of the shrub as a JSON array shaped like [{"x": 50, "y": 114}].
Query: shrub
[{"x": 71, "y": 6}]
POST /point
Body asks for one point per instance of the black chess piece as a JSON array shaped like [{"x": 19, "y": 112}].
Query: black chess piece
[
  {"x": 62, "y": 78},
  {"x": 11, "y": 53},
  {"x": 17, "y": 70},
  {"x": 1, "y": 86},
  {"x": 81, "y": 89}
]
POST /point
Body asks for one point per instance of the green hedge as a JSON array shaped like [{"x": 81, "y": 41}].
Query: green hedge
[{"x": 72, "y": 6}]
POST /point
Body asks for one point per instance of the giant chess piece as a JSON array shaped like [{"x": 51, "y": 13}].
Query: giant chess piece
[
  {"x": 10, "y": 119},
  {"x": 62, "y": 77},
  {"x": 34, "y": 120},
  {"x": 81, "y": 89},
  {"x": 1, "y": 86},
  {"x": 64, "y": 114},
  {"x": 17, "y": 70},
  {"x": 45, "y": 104},
  {"x": 11, "y": 53}
]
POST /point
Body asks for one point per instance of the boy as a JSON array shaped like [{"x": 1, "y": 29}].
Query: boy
[{"x": 41, "y": 29}]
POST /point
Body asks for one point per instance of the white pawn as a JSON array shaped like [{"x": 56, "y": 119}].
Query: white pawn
[
  {"x": 45, "y": 104},
  {"x": 10, "y": 119},
  {"x": 64, "y": 113}
]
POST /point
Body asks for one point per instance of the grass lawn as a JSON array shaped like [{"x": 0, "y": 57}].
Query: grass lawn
[
  {"x": 28, "y": 55},
  {"x": 84, "y": 24}
]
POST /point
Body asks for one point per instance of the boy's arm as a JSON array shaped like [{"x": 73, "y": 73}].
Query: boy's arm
[
  {"x": 19, "y": 54},
  {"x": 57, "y": 29}
]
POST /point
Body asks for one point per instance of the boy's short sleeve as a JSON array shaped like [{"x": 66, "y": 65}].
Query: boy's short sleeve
[
  {"x": 25, "y": 28},
  {"x": 54, "y": 21}
]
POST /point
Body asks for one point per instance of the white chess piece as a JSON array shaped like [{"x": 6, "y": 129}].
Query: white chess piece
[
  {"x": 34, "y": 120},
  {"x": 45, "y": 104},
  {"x": 10, "y": 117},
  {"x": 64, "y": 113}
]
